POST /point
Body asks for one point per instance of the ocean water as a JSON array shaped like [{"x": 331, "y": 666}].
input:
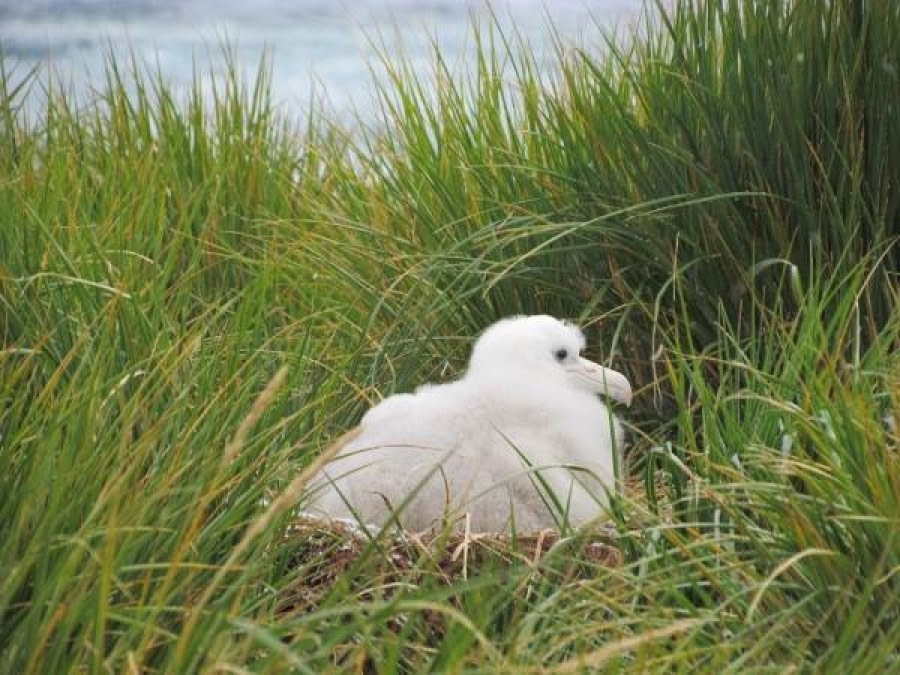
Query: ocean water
[{"x": 324, "y": 47}]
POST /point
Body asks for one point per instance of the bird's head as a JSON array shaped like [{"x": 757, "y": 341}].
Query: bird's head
[{"x": 543, "y": 349}]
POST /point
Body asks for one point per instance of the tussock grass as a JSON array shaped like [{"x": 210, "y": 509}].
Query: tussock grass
[{"x": 196, "y": 297}]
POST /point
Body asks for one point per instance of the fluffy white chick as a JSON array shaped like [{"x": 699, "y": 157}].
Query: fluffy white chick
[{"x": 521, "y": 441}]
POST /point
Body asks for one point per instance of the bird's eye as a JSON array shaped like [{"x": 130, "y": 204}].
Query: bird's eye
[{"x": 561, "y": 355}]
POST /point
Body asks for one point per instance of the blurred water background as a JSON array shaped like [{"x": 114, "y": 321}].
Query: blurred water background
[{"x": 321, "y": 46}]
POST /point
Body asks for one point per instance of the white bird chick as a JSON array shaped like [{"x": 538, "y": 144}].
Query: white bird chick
[{"x": 522, "y": 441}]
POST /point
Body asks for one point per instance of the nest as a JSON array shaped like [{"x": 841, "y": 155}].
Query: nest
[{"x": 327, "y": 553}]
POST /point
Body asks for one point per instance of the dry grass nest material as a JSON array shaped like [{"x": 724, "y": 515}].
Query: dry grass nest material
[{"x": 328, "y": 552}]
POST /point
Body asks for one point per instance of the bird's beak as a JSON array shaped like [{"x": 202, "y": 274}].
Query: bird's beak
[{"x": 603, "y": 380}]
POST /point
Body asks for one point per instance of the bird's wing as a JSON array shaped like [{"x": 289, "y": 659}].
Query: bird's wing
[{"x": 418, "y": 451}]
